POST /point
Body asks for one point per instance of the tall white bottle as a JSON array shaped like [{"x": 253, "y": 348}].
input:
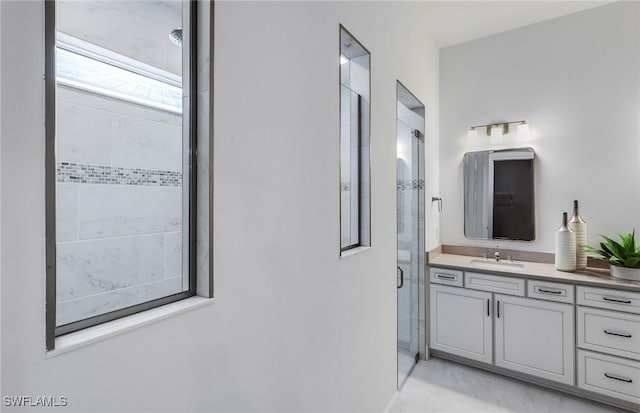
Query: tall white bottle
[
  {"x": 577, "y": 224},
  {"x": 565, "y": 246}
]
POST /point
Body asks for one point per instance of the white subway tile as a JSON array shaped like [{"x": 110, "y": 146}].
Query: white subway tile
[
  {"x": 118, "y": 210},
  {"x": 139, "y": 143},
  {"x": 97, "y": 266},
  {"x": 79, "y": 309},
  {"x": 159, "y": 289},
  {"x": 172, "y": 254},
  {"x": 116, "y": 106},
  {"x": 83, "y": 134},
  {"x": 66, "y": 212}
]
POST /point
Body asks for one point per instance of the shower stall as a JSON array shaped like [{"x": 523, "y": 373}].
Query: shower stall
[{"x": 410, "y": 227}]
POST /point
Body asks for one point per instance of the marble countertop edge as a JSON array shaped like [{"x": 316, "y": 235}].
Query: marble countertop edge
[{"x": 594, "y": 277}]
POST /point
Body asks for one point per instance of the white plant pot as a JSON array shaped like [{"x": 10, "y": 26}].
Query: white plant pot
[{"x": 625, "y": 273}]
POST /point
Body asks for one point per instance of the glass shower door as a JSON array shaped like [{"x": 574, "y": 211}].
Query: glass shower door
[{"x": 410, "y": 189}]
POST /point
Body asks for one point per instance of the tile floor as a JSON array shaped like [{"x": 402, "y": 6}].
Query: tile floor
[
  {"x": 406, "y": 360},
  {"x": 442, "y": 386}
]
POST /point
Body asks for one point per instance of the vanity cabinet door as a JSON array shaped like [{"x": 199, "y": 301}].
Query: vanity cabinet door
[
  {"x": 461, "y": 322},
  {"x": 535, "y": 337}
]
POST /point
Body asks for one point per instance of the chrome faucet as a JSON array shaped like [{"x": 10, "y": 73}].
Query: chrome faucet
[{"x": 497, "y": 253}]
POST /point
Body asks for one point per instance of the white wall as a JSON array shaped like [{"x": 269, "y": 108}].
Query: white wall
[
  {"x": 576, "y": 80},
  {"x": 293, "y": 327}
]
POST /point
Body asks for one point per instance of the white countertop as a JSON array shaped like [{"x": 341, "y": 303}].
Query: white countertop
[{"x": 591, "y": 276}]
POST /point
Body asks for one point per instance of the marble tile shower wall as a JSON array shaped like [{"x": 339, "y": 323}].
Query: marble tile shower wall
[
  {"x": 402, "y": 185},
  {"x": 408, "y": 191},
  {"x": 345, "y": 212},
  {"x": 118, "y": 204}
]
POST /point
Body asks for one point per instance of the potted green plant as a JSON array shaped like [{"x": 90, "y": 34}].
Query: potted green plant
[{"x": 623, "y": 257}]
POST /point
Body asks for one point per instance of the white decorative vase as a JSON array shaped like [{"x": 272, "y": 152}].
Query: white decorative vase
[
  {"x": 577, "y": 224},
  {"x": 625, "y": 273},
  {"x": 565, "y": 246}
]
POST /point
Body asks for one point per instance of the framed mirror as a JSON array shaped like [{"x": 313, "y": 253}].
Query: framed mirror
[{"x": 499, "y": 196}]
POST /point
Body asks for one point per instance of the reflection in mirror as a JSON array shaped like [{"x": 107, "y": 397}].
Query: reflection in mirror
[{"x": 499, "y": 195}]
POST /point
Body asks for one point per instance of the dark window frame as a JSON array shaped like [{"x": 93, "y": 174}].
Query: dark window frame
[
  {"x": 362, "y": 221},
  {"x": 53, "y": 331},
  {"x": 358, "y": 177}
]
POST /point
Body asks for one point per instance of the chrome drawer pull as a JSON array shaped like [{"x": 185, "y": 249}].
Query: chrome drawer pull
[
  {"x": 617, "y": 334},
  {"x": 617, "y": 301},
  {"x": 446, "y": 277},
  {"x": 543, "y": 290},
  {"x": 610, "y": 376}
]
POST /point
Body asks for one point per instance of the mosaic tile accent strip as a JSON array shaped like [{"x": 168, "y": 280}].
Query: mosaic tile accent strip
[
  {"x": 405, "y": 185},
  {"x": 410, "y": 184},
  {"x": 81, "y": 173}
]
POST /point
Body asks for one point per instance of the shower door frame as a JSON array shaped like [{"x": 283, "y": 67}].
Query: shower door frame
[{"x": 419, "y": 283}]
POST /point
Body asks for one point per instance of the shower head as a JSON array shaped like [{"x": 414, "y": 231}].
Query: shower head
[{"x": 176, "y": 36}]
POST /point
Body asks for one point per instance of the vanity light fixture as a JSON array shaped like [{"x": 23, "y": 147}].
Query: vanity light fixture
[{"x": 496, "y": 130}]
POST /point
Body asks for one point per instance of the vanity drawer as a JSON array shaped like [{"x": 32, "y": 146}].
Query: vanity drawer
[
  {"x": 609, "y": 375},
  {"x": 445, "y": 276},
  {"x": 552, "y": 291},
  {"x": 610, "y": 299},
  {"x": 494, "y": 283},
  {"x": 609, "y": 332}
]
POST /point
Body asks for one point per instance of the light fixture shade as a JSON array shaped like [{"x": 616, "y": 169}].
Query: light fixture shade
[
  {"x": 523, "y": 131},
  {"x": 496, "y": 131},
  {"x": 497, "y": 134}
]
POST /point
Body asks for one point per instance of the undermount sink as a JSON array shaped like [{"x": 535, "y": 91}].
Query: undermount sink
[{"x": 498, "y": 265}]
